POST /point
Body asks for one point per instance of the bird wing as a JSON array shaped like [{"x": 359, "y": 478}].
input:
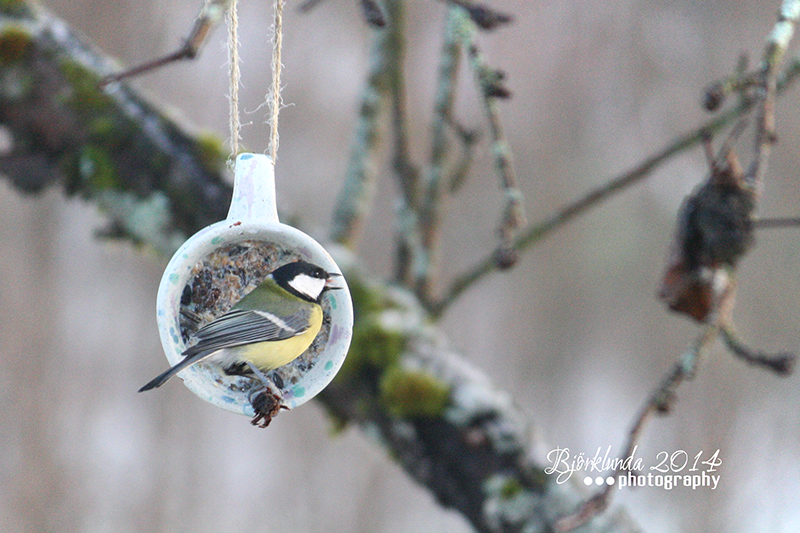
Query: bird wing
[{"x": 247, "y": 326}]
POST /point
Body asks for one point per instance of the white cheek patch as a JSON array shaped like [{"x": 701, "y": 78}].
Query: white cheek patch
[{"x": 311, "y": 287}]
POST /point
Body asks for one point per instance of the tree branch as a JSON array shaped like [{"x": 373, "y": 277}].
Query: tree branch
[
  {"x": 492, "y": 88},
  {"x": 355, "y": 197},
  {"x": 146, "y": 172},
  {"x": 699, "y": 280},
  {"x": 536, "y": 232},
  {"x": 441, "y": 419},
  {"x": 660, "y": 402},
  {"x": 409, "y": 256},
  {"x": 777, "y": 44},
  {"x": 432, "y": 203}
]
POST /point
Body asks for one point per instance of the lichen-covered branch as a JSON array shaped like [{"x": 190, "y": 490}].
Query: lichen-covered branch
[
  {"x": 491, "y": 83},
  {"x": 148, "y": 173},
  {"x": 777, "y": 44},
  {"x": 356, "y": 194},
  {"x": 409, "y": 255},
  {"x": 432, "y": 201},
  {"x": 444, "y": 422}
]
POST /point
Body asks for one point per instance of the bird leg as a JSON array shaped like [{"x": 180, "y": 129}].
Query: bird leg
[{"x": 266, "y": 402}]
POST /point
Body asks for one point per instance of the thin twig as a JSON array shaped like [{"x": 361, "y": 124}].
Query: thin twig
[
  {"x": 185, "y": 52},
  {"x": 660, "y": 402},
  {"x": 776, "y": 223},
  {"x": 468, "y": 138},
  {"x": 210, "y": 15},
  {"x": 432, "y": 203},
  {"x": 355, "y": 196},
  {"x": 492, "y": 88},
  {"x": 781, "y": 364},
  {"x": 539, "y": 231},
  {"x": 409, "y": 259},
  {"x": 777, "y": 44},
  {"x": 484, "y": 17}
]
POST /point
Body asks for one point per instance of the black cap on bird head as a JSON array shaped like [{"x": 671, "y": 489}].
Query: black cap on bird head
[{"x": 305, "y": 280}]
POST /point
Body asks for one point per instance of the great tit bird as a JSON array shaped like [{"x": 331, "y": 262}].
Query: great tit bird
[{"x": 269, "y": 327}]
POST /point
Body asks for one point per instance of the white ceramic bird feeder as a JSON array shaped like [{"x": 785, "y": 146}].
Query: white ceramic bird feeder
[{"x": 222, "y": 262}]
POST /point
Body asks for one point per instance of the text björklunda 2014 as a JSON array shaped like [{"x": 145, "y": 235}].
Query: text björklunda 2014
[{"x": 669, "y": 470}]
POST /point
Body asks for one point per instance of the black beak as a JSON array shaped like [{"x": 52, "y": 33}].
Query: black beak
[{"x": 330, "y": 282}]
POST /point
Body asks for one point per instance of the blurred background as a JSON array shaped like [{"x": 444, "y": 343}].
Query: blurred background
[{"x": 574, "y": 332}]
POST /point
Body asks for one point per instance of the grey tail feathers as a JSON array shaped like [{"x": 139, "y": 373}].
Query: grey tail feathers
[{"x": 162, "y": 378}]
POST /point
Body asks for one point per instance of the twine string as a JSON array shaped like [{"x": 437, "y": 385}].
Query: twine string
[
  {"x": 234, "y": 72},
  {"x": 273, "y": 97}
]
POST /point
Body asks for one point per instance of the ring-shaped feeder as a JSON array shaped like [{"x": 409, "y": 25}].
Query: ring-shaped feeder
[{"x": 224, "y": 261}]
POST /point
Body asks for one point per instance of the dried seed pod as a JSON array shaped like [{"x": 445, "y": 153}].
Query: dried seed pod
[{"x": 715, "y": 230}]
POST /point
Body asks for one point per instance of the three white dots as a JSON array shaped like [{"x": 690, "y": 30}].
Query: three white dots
[{"x": 588, "y": 480}]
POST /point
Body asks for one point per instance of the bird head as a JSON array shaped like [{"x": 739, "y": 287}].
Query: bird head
[{"x": 305, "y": 280}]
